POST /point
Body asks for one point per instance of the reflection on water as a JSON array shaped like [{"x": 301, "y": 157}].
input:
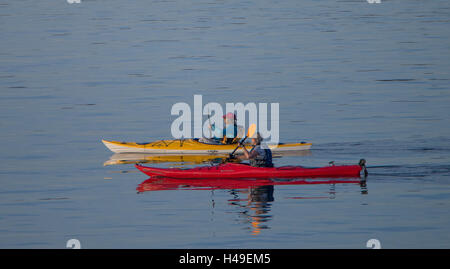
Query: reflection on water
[
  {"x": 255, "y": 209},
  {"x": 251, "y": 198},
  {"x": 131, "y": 158}
]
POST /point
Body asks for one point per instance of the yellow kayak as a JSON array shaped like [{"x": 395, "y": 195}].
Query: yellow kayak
[{"x": 191, "y": 146}]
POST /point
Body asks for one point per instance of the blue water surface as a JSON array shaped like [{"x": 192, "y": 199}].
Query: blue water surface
[{"x": 358, "y": 80}]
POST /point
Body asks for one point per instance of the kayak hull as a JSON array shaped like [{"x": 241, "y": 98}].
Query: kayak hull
[
  {"x": 190, "y": 146},
  {"x": 231, "y": 170}
]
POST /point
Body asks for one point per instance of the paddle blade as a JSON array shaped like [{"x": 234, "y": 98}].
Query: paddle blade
[{"x": 251, "y": 130}]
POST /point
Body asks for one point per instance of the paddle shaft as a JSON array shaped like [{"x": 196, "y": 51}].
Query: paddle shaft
[
  {"x": 209, "y": 120},
  {"x": 251, "y": 132},
  {"x": 231, "y": 154}
]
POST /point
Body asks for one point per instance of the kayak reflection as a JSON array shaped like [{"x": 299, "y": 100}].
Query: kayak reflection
[
  {"x": 253, "y": 198},
  {"x": 162, "y": 183},
  {"x": 132, "y": 158}
]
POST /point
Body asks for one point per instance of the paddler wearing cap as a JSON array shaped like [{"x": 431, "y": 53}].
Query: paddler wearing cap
[
  {"x": 258, "y": 156},
  {"x": 228, "y": 134}
]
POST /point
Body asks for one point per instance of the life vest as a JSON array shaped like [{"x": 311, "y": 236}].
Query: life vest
[
  {"x": 232, "y": 131},
  {"x": 263, "y": 158}
]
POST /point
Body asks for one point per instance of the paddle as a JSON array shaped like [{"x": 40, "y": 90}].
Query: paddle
[
  {"x": 209, "y": 121},
  {"x": 251, "y": 131}
]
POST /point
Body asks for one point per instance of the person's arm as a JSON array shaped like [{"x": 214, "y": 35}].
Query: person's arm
[{"x": 248, "y": 155}]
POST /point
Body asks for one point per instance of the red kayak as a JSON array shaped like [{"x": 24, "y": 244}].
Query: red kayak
[{"x": 232, "y": 170}]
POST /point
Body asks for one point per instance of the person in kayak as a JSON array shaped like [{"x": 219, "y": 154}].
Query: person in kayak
[
  {"x": 227, "y": 135},
  {"x": 258, "y": 156}
]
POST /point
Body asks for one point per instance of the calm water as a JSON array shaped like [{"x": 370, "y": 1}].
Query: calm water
[{"x": 358, "y": 80}]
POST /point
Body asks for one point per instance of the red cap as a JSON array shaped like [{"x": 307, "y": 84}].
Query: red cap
[{"x": 229, "y": 115}]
